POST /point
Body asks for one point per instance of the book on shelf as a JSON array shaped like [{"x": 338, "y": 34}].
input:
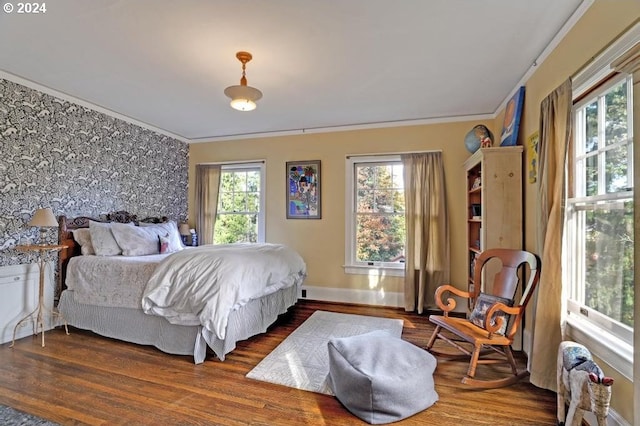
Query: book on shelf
[{"x": 472, "y": 265}]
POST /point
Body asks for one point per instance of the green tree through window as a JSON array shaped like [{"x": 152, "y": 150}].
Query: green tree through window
[
  {"x": 237, "y": 219},
  {"x": 380, "y": 225},
  {"x": 600, "y": 211}
]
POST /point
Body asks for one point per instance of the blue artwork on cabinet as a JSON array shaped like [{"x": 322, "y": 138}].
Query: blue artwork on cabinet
[{"x": 511, "y": 122}]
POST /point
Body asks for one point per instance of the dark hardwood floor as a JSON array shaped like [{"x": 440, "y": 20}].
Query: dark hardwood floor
[{"x": 84, "y": 378}]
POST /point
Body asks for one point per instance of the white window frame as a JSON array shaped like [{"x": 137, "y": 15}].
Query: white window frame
[
  {"x": 606, "y": 338},
  {"x": 261, "y": 167},
  {"x": 351, "y": 266}
]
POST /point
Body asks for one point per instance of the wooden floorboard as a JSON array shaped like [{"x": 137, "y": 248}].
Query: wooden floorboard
[{"x": 86, "y": 379}]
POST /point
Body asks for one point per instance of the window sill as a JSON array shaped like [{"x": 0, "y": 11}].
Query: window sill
[
  {"x": 378, "y": 271},
  {"x": 612, "y": 350}
]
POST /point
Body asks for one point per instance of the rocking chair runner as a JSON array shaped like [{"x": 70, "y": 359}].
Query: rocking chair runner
[{"x": 493, "y": 322}]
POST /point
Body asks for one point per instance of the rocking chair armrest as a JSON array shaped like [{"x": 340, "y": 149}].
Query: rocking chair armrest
[
  {"x": 500, "y": 319},
  {"x": 451, "y": 303}
]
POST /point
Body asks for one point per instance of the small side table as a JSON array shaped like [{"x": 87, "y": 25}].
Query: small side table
[{"x": 37, "y": 316}]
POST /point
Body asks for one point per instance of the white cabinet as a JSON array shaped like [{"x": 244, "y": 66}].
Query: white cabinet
[{"x": 19, "y": 297}]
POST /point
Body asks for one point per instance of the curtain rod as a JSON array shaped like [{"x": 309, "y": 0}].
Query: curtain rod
[
  {"x": 223, "y": 163},
  {"x": 382, "y": 154}
]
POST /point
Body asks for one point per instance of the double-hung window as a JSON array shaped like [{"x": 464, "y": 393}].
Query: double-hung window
[
  {"x": 599, "y": 228},
  {"x": 240, "y": 215},
  {"x": 375, "y": 221}
]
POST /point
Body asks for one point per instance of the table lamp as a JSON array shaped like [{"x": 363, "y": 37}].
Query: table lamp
[
  {"x": 184, "y": 231},
  {"x": 43, "y": 219}
]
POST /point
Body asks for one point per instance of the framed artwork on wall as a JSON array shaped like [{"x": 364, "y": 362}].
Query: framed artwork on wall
[
  {"x": 303, "y": 190},
  {"x": 511, "y": 122}
]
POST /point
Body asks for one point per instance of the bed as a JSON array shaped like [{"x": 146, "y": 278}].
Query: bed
[{"x": 179, "y": 300}]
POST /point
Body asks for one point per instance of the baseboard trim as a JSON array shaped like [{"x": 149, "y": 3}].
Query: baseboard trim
[
  {"x": 613, "y": 419},
  {"x": 360, "y": 297}
]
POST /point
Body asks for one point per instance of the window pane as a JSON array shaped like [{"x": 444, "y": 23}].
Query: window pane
[
  {"x": 384, "y": 177},
  {"x": 252, "y": 229},
  {"x": 365, "y": 177},
  {"x": 235, "y": 228},
  {"x": 591, "y": 175},
  {"x": 240, "y": 202},
  {"x": 379, "y": 238},
  {"x": 379, "y": 197},
  {"x": 616, "y": 115},
  {"x": 609, "y": 261},
  {"x": 364, "y": 200},
  {"x": 384, "y": 201},
  {"x": 591, "y": 118},
  {"x": 225, "y": 202},
  {"x": 398, "y": 177},
  {"x": 226, "y": 182},
  {"x": 253, "y": 181},
  {"x": 398, "y": 201},
  {"x": 617, "y": 169},
  {"x": 238, "y": 206},
  {"x": 240, "y": 183},
  {"x": 253, "y": 202}
]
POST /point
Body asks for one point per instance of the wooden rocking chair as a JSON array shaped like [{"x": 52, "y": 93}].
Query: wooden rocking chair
[{"x": 494, "y": 322}]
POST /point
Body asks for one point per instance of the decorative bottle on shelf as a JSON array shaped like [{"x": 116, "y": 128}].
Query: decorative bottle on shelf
[{"x": 194, "y": 237}]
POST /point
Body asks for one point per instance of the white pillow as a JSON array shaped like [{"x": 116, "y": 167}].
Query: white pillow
[
  {"x": 168, "y": 230},
  {"x": 83, "y": 237},
  {"x": 102, "y": 239},
  {"x": 136, "y": 240}
]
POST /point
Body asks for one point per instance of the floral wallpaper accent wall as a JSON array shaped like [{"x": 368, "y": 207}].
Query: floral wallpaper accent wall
[{"x": 54, "y": 153}]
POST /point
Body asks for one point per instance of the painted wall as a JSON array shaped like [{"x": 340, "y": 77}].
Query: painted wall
[
  {"x": 77, "y": 161},
  {"x": 598, "y": 27},
  {"x": 322, "y": 242}
]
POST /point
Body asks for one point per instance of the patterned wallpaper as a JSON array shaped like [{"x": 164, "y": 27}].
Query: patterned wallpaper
[{"x": 57, "y": 154}]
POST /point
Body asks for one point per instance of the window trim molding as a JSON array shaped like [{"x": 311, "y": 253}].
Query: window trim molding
[
  {"x": 349, "y": 266},
  {"x": 261, "y": 165},
  {"x": 611, "y": 349},
  {"x": 589, "y": 318}
]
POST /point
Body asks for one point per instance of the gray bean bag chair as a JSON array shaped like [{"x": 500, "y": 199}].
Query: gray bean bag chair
[{"x": 381, "y": 378}]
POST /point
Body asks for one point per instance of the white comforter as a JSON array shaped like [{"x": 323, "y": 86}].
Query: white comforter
[{"x": 203, "y": 285}]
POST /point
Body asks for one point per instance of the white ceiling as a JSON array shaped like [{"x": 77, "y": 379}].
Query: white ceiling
[{"x": 322, "y": 63}]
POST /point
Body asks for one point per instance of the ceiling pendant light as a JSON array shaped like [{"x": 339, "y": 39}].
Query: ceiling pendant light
[{"x": 243, "y": 97}]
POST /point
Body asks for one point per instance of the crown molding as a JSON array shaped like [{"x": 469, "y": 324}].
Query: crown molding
[{"x": 66, "y": 97}]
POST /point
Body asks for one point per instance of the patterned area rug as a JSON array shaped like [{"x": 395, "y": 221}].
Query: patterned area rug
[
  {"x": 12, "y": 417},
  {"x": 301, "y": 361}
]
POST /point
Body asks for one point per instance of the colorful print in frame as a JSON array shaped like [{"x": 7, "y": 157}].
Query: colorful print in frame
[
  {"x": 511, "y": 122},
  {"x": 303, "y": 190}
]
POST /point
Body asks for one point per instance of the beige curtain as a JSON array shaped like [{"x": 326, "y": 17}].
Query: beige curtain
[
  {"x": 206, "y": 203},
  {"x": 427, "y": 226},
  {"x": 555, "y": 137}
]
